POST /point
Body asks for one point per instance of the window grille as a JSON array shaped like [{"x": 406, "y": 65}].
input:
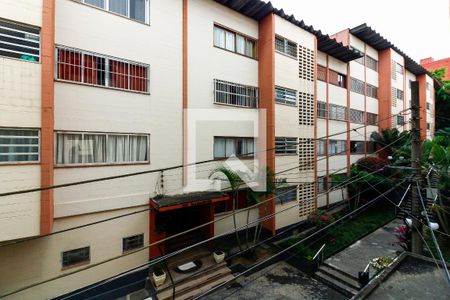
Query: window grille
[
  {"x": 285, "y": 96},
  {"x": 286, "y": 145},
  {"x": 19, "y": 145},
  {"x": 394, "y": 97},
  {"x": 321, "y": 73},
  {"x": 322, "y": 184},
  {"x": 306, "y": 154},
  {"x": 321, "y": 147},
  {"x": 286, "y": 194},
  {"x": 371, "y": 91},
  {"x": 372, "y": 119},
  {"x": 306, "y": 63},
  {"x": 133, "y": 242},
  {"x": 306, "y": 109},
  {"x": 306, "y": 197},
  {"x": 235, "y": 94},
  {"x": 372, "y": 63},
  {"x": 337, "y": 147},
  {"x": 234, "y": 42},
  {"x": 88, "y": 68},
  {"x": 19, "y": 41},
  {"x": 75, "y": 257},
  {"x": 357, "y": 86},
  {"x": 137, "y": 10},
  {"x": 337, "y": 112},
  {"x": 101, "y": 148},
  {"x": 322, "y": 110},
  {"x": 239, "y": 146},
  {"x": 356, "y": 116},
  {"x": 285, "y": 46}
]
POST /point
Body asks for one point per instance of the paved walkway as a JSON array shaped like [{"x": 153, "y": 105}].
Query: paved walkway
[
  {"x": 278, "y": 281},
  {"x": 355, "y": 258}
]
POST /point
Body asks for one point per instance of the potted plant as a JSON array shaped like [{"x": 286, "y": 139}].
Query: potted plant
[
  {"x": 380, "y": 263},
  {"x": 219, "y": 256},
  {"x": 159, "y": 276}
]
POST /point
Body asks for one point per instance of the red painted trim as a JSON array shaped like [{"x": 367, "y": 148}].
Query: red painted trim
[
  {"x": 327, "y": 140},
  {"x": 154, "y": 251},
  {"x": 189, "y": 204},
  {"x": 47, "y": 113},
  {"x": 185, "y": 90},
  {"x": 384, "y": 89},
  {"x": 266, "y": 78}
]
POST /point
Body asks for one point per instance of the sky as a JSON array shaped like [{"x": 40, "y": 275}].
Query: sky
[{"x": 420, "y": 28}]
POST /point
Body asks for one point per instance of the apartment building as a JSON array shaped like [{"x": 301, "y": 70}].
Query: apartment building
[{"x": 97, "y": 88}]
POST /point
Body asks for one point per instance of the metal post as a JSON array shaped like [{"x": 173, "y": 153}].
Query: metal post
[{"x": 416, "y": 241}]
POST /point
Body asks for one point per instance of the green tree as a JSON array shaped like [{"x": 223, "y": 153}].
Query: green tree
[
  {"x": 391, "y": 139},
  {"x": 442, "y": 96}
]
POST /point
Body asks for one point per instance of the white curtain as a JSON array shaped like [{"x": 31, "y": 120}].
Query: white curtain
[
  {"x": 94, "y": 148},
  {"x": 230, "y": 147},
  {"x": 240, "y": 44},
  {"x": 219, "y": 147},
  {"x": 118, "y": 6},
  {"x": 249, "y": 48},
  {"x": 138, "y": 148},
  {"x": 219, "y": 37},
  {"x": 68, "y": 148},
  {"x": 117, "y": 148},
  {"x": 229, "y": 44},
  {"x": 137, "y": 10}
]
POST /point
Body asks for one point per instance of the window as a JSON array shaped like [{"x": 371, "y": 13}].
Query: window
[
  {"x": 285, "y": 194},
  {"x": 398, "y": 68},
  {"x": 321, "y": 147},
  {"x": 322, "y": 185},
  {"x": 285, "y": 46},
  {"x": 337, "y": 78},
  {"x": 428, "y": 106},
  {"x": 357, "y": 147},
  {"x": 19, "y": 145},
  {"x": 399, "y": 94},
  {"x": 322, "y": 110},
  {"x": 371, "y": 91},
  {"x": 234, "y": 42},
  {"x": 337, "y": 112},
  {"x": 337, "y": 147},
  {"x": 358, "y": 60},
  {"x": 400, "y": 120},
  {"x": 356, "y": 116},
  {"x": 133, "y": 242},
  {"x": 428, "y": 126},
  {"x": 372, "y": 63},
  {"x": 285, "y": 96},
  {"x": 89, "y": 68},
  {"x": 137, "y": 10},
  {"x": 321, "y": 73},
  {"x": 372, "y": 119},
  {"x": 286, "y": 145},
  {"x": 227, "y": 146},
  {"x": 101, "y": 148},
  {"x": 19, "y": 41},
  {"x": 371, "y": 147},
  {"x": 235, "y": 94},
  {"x": 75, "y": 257},
  {"x": 357, "y": 86}
]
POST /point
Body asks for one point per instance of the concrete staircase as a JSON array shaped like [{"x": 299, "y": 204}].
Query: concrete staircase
[
  {"x": 342, "y": 282},
  {"x": 190, "y": 285}
]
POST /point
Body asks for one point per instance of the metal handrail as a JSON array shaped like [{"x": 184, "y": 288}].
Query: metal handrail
[{"x": 320, "y": 250}]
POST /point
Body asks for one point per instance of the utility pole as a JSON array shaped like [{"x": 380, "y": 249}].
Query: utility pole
[{"x": 416, "y": 149}]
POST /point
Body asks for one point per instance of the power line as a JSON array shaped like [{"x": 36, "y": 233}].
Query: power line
[
  {"x": 155, "y": 243},
  {"x": 57, "y": 186},
  {"x": 297, "y": 243}
]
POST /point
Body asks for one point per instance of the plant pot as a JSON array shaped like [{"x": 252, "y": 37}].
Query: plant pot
[
  {"x": 159, "y": 279},
  {"x": 219, "y": 256}
]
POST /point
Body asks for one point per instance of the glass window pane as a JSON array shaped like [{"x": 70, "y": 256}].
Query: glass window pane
[
  {"x": 98, "y": 3},
  {"x": 219, "y": 37},
  {"x": 229, "y": 41},
  {"x": 240, "y": 44},
  {"x": 118, "y": 6},
  {"x": 137, "y": 10},
  {"x": 69, "y": 148}
]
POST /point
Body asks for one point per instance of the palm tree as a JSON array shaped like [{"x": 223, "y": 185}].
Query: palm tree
[
  {"x": 391, "y": 139},
  {"x": 235, "y": 181}
]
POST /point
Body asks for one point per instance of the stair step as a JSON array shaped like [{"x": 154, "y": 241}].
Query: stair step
[
  {"x": 184, "y": 286},
  {"x": 340, "y": 276},
  {"x": 330, "y": 266},
  {"x": 335, "y": 284},
  {"x": 187, "y": 257},
  {"x": 198, "y": 290}
]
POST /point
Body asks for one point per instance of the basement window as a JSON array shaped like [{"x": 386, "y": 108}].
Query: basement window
[
  {"x": 132, "y": 242},
  {"x": 76, "y": 257}
]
